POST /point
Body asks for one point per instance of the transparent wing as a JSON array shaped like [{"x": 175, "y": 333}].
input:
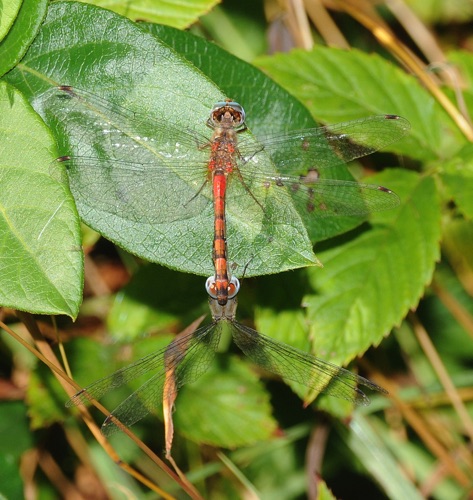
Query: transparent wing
[
  {"x": 126, "y": 164},
  {"x": 187, "y": 357},
  {"x": 152, "y": 171},
  {"x": 319, "y": 148},
  {"x": 303, "y": 160},
  {"x": 298, "y": 366},
  {"x": 314, "y": 197},
  {"x": 148, "y": 192}
]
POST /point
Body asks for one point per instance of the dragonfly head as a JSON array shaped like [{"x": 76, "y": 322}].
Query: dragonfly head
[
  {"x": 229, "y": 112},
  {"x": 233, "y": 287}
]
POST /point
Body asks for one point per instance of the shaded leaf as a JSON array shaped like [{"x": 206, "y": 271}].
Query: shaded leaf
[
  {"x": 153, "y": 301},
  {"x": 369, "y": 448},
  {"x": 45, "y": 398},
  {"x": 227, "y": 407},
  {"x": 457, "y": 244},
  {"x": 14, "y": 430},
  {"x": 457, "y": 176},
  {"x": 11, "y": 483}
]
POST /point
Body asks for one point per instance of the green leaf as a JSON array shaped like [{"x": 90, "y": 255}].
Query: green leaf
[
  {"x": 178, "y": 14},
  {"x": 41, "y": 269},
  {"x": 14, "y": 45},
  {"x": 152, "y": 302},
  {"x": 367, "y": 445},
  {"x": 323, "y": 491},
  {"x": 160, "y": 84},
  {"x": 11, "y": 482},
  {"x": 15, "y": 440},
  {"x": 442, "y": 11},
  {"x": 14, "y": 430},
  {"x": 9, "y": 13},
  {"x": 457, "y": 176},
  {"x": 457, "y": 243},
  {"x": 45, "y": 398},
  {"x": 341, "y": 85},
  {"x": 371, "y": 280},
  {"x": 237, "y": 409},
  {"x": 463, "y": 60}
]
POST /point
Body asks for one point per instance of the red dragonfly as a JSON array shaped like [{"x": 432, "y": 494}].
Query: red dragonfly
[
  {"x": 189, "y": 356},
  {"x": 150, "y": 175}
]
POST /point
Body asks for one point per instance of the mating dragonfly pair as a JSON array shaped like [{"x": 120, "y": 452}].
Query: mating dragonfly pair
[{"x": 118, "y": 184}]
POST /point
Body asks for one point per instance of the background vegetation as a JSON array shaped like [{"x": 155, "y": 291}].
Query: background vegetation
[{"x": 400, "y": 281}]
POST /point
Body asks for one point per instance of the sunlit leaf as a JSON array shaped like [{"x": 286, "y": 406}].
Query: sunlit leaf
[
  {"x": 178, "y": 14},
  {"x": 22, "y": 32},
  {"x": 340, "y": 85},
  {"x": 370, "y": 282},
  {"x": 9, "y": 13},
  {"x": 41, "y": 268}
]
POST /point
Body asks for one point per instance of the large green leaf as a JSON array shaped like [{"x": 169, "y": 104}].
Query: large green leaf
[
  {"x": 41, "y": 268},
  {"x": 170, "y": 83},
  {"x": 340, "y": 85},
  {"x": 158, "y": 86},
  {"x": 140, "y": 116},
  {"x": 22, "y": 33},
  {"x": 372, "y": 280}
]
